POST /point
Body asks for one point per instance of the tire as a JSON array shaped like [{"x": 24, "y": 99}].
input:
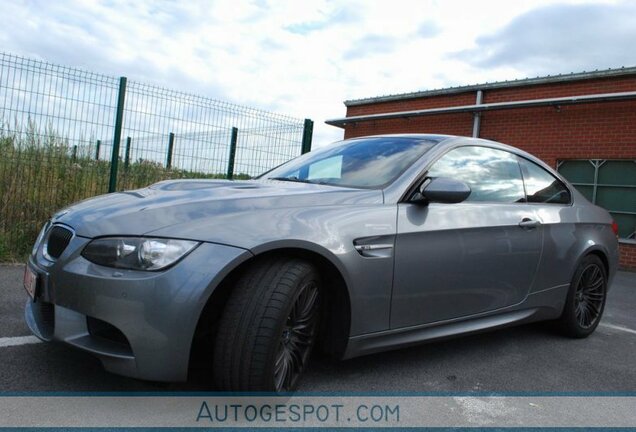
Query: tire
[
  {"x": 586, "y": 299},
  {"x": 268, "y": 327}
]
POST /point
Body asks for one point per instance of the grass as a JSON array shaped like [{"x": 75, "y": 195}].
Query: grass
[{"x": 41, "y": 173}]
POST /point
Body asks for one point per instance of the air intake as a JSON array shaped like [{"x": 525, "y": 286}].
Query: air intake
[{"x": 57, "y": 240}]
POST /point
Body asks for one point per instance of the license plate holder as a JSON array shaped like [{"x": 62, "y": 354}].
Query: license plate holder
[{"x": 30, "y": 282}]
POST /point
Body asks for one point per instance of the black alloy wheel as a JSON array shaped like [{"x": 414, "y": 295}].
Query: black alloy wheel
[
  {"x": 585, "y": 302},
  {"x": 268, "y": 327},
  {"x": 297, "y": 338},
  {"x": 590, "y": 295}
]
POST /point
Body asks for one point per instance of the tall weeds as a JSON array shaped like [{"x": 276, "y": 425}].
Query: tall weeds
[{"x": 40, "y": 173}]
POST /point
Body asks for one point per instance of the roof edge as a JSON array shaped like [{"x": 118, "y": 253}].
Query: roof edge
[{"x": 548, "y": 79}]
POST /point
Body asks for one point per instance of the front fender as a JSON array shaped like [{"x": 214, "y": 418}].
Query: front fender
[{"x": 329, "y": 231}]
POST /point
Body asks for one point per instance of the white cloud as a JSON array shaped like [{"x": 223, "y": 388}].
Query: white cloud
[
  {"x": 557, "y": 38},
  {"x": 301, "y": 58}
]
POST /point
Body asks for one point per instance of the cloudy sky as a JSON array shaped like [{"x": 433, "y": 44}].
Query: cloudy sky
[{"x": 304, "y": 58}]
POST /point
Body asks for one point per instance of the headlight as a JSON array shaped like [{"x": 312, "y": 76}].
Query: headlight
[
  {"x": 36, "y": 245},
  {"x": 137, "y": 253}
]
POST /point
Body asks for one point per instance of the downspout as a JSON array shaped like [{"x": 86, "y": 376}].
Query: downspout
[{"x": 477, "y": 115}]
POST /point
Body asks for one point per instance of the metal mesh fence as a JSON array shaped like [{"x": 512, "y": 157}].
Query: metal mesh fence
[{"x": 58, "y": 131}]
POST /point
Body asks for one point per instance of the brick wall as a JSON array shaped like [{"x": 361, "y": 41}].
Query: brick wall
[
  {"x": 628, "y": 256},
  {"x": 582, "y": 131}
]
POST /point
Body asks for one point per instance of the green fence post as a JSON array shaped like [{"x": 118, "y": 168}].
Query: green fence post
[
  {"x": 127, "y": 155},
  {"x": 99, "y": 143},
  {"x": 230, "y": 162},
  {"x": 74, "y": 156},
  {"x": 119, "y": 117},
  {"x": 308, "y": 132},
  {"x": 170, "y": 148}
]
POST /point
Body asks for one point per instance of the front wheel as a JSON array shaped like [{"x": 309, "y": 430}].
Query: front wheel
[
  {"x": 586, "y": 299},
  {"x": 268, "y": 327}
]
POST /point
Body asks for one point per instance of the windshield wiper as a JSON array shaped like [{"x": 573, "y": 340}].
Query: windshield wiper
[
  {"x": 297, "y": 180},
  {"x": 290, "y": 179}
]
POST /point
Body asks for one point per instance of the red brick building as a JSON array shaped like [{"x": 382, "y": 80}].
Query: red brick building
[{"x": 582, "y": 124}]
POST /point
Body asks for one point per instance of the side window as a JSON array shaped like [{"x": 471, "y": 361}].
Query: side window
[
  {"x": 493, "y": 175},
  {"x": 541, "y": 186}
]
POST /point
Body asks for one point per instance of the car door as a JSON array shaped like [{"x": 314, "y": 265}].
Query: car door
[
  {"x": 552, "y": 200},
  {"x": 456, "y": 260}
]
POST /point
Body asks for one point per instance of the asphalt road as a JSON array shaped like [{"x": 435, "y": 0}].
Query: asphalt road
[{"x": 529, "y": 358}]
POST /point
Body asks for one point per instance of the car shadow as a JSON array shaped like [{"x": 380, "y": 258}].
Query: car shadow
[{"x": 57, "y": 367}]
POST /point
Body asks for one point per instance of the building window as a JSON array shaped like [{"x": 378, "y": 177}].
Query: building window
[{"x": 610, "y": 184}]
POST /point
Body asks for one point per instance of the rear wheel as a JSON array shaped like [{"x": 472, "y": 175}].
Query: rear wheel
[
  {"x": 268, "y": 327},
  {"x": 586, "y": 299}
]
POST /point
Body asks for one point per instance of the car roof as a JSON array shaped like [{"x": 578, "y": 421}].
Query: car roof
[
  {"x": 443, "y": 140},
  {"x": 452, "y": 140},
  {"x": 435, "y": 137}
]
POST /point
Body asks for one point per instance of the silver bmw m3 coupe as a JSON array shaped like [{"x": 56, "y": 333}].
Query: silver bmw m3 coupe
[{"x": 366, "y": 245}]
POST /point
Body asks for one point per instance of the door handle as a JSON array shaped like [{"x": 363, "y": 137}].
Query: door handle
[{"x": 527, "y": 223}]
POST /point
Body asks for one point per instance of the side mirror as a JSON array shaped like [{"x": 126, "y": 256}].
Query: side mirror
[{"x": 444, "y": 190}]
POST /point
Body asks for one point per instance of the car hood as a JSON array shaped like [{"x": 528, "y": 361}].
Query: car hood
[{"x": 182, "y": 203}]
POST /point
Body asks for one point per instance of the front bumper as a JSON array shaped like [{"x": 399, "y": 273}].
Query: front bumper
[{"x": 153, "y": 315}]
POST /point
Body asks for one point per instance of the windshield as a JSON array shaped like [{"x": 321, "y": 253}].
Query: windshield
[{"x": 358, "y": 163}]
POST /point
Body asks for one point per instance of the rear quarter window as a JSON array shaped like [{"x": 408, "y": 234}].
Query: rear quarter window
[{"x": 541, "y": 186}]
